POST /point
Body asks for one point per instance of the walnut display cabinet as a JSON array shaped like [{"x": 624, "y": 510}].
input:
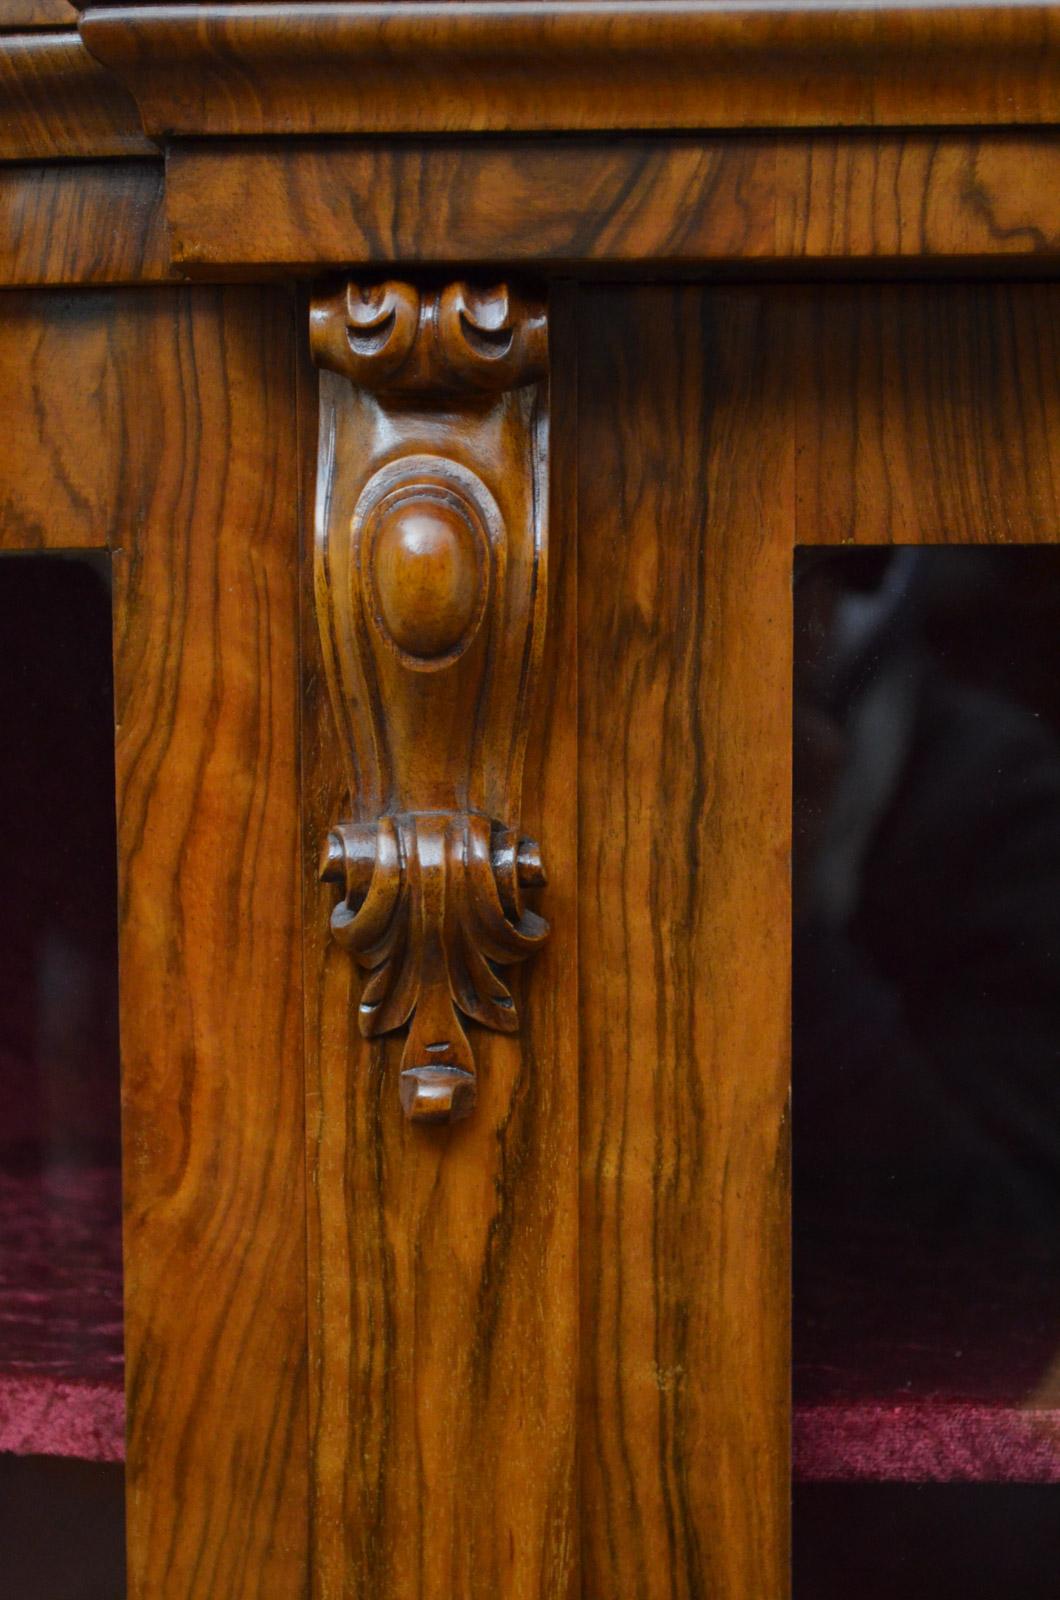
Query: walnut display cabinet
[{"x": 461, "y": 460}]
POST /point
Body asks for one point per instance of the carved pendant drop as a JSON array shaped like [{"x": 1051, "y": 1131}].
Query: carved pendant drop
[{"x": 431, "y": 570}]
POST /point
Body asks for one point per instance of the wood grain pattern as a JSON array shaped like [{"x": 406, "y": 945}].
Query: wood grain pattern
[
  {"x": 443, "y": 1263},
  {"x": 741, "y": 199},
  {"x": 56, "y": 103},
  {"x": 417, "y": 66},
  {"x": 63, "y": 483},
  {"x": 918, "y": 196},
  {"x": 543, "y": 201},
  {"x": 205, "y": 681},
  {"x": 89, "y": 222},
  {"x": 686, "y": 451},
  {"x": 18, "y": 14},
  {"x": 929, "y": 414}
]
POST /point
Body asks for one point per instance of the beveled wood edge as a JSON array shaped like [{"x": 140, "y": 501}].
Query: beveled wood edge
[
  {"x": 58, "y": 103},
  {"x": 425, "y": 66}
]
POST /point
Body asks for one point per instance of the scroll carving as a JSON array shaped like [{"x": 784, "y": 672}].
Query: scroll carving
[{"x": 431, "y": 545}]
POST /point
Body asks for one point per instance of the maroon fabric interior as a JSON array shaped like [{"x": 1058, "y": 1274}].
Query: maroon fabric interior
[
  {"x": 61, "y": 1389},
  {"x": 925, "y": 1359},
  {"x": 925, "y": 1021},
  {"x": 60, "y": 1183}
]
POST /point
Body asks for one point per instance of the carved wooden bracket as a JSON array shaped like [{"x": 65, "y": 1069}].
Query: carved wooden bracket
[{"x": 431, "y": 541}]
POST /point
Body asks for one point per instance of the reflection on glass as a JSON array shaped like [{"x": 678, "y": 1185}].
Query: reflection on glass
[
  {"x": 61, "y": 1406},
  {"x": 926, "y": 1061}
]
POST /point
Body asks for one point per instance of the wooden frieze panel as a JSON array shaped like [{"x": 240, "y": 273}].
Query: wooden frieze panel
[{"x": 967, "y": 197}]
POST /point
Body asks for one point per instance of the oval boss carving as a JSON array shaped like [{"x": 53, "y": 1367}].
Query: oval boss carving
[
  {"x": 428, "y": 571},
  {"x": 431, "y": 590}
]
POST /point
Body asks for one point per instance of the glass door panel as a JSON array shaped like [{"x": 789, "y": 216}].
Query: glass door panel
[
  {"x": 61, "y": 1371},
  {"x": 926, "y": 1067}
]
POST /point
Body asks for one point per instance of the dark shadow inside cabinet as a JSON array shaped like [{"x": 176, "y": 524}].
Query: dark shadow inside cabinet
[
  {"x": 926, "y": 1073},
  {"x": 61, "y": 1367}
]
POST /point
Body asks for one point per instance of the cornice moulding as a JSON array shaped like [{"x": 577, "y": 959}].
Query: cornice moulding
[{"x": 423, "y": 67}]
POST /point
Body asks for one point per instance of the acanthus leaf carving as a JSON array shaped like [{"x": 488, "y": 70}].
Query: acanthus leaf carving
[{"x": 431, "y": 591}]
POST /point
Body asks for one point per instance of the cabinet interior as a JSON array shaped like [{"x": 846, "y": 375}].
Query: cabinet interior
[
  {"x": 926, "y": 1026},
  {"x": 62, "y": 1408}
]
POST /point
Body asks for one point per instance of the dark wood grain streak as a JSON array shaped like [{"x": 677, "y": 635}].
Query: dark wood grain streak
[
  {"x": 743, "y": 199},
  {"x": 443, "y": 1262},
  {"x": 57, "y": 103},
  {"x": 482, "y": 65},
  {"x": 918, "y": 196},
  {"x": 686, "y": 448},
  {"x": 86, "y": 222},
  {"x": 205, "y": 565},
  {"x": 929, "y": 414}
]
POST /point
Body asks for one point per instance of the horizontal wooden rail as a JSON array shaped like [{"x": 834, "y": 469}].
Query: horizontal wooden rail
[{"x": 792, "y": 199}]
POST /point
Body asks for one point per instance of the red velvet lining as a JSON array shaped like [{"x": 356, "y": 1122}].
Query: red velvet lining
[
  {"x": 926, "y": 1360},
  {"x": 61, "y": 1385},
  {"x": 925, "y": 1442}
]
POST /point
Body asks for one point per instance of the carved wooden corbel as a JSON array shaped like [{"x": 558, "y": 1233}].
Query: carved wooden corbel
[{"x": 431, "y": 542}]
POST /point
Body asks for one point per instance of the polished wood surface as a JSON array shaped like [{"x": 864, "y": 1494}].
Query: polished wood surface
[
  {"x": 57, "y": 103},
  {"x": 206, "y": 632},
  {"x": 931, "y": 199},
  {"x": 420, "y": 66},
  {"x": 83, "y": 223},
  {"x": 443, "y": 1262},
  {"x": 982, "y": 203},
  {"x": 987, "y": 204},
  {"x": 900, "y": 202},
  {"x": 63, "y": 486},
  {"x": 928, "y": 413},
  {"x": 530, "y": 200},
  {"x": 431, "y": 591},
  {"x": 742, "y": 200},
  {"x": 686, "y": 500},
  {"x": 18, "y": 14}
]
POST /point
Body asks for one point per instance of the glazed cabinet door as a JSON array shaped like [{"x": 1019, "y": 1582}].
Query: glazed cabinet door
[
  {"x": 150, "y": 502},
  {"x": 926, "y": 952}
]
